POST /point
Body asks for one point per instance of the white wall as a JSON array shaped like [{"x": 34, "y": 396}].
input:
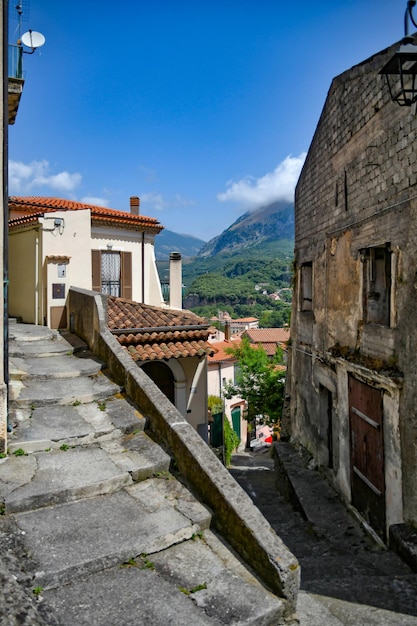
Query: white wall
[
  {"x": 71, "y": 239},
  {"x": 133, "y": 241}
]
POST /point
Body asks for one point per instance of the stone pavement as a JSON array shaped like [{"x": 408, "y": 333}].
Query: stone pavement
[
  {"x": 346, "y": 578},
  {"x": 94, "y": 527}
]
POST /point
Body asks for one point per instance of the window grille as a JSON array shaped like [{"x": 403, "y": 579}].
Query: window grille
[{"x": 110, "y": 273}]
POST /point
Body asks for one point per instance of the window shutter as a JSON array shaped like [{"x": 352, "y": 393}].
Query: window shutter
[
  {"x": 96, "y": 270},
  {"x": 126, "y": 275}
]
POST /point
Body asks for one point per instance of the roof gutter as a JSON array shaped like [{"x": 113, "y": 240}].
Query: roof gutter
[{"x": 157, "y": 329}]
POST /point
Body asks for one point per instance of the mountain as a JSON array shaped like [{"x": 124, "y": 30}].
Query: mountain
[
  {"x": 269, "y": 223},
  {"x": 167, "y": 241}
]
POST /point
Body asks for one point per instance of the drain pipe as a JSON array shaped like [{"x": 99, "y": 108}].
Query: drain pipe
[{"x": 5, "y": 155}]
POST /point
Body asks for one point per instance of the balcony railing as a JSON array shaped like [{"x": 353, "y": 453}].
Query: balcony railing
[{"x": 15, "y": 61}]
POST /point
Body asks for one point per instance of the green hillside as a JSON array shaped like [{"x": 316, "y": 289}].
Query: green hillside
[{"x": 246, "y": 270}]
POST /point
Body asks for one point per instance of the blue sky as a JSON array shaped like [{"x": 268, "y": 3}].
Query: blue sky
[{"x": 204, "y": 109}]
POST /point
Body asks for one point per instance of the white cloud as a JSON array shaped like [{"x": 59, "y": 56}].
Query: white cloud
[
  {"x": 254, "y": 192},
  {"x": 153, "y": 200},
  {"x": 25, "y": 177},
  {"x": 95, "y": 201},
  {"x": 181, "y": 201}
]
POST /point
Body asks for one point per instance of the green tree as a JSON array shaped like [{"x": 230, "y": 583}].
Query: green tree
[{"x": 259, "y": 381}]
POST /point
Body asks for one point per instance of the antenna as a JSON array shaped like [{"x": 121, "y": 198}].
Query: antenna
[{"x": 32, "y": 39}]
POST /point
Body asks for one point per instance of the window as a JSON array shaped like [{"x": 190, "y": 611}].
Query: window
[
  {"x": 306, "y": 287},
  {"x": 377, "y": 285},
  {"x": 112, "y": 273}
]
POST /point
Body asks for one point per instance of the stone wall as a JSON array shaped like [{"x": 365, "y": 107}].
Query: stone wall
[{"x": 358, "y": 190}]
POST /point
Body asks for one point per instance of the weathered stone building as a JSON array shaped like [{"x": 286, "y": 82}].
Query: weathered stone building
[{"x": 353, "y": 366}]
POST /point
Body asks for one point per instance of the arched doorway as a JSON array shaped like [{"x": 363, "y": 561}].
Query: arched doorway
[{"x": 162, "y": 376}]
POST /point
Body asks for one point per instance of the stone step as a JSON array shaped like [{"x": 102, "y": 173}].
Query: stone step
[
  {"x": 34, "y": 393},
  {"x": 36, "y": 430},
  {"x": 66, "y": 474},
  {"x": 39, "y": 348},
  {"x": 62, "y": 476},
  {"x": 59, "y": 366},
  {"x": 198, "y": 580},
  {"x": 129, "y": 595},
  {"x": 111, "y": 536},
  {"x": 78, "y": 538},
  {"x": 31, "y": 333}
]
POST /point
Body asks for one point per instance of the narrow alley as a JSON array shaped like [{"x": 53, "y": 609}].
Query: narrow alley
[{"x": 346, "y": 579}]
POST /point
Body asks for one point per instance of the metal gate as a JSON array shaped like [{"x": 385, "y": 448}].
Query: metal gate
[
  {"x": 216, "y": 431},
  {"x": 236, "y": 421},
  {"x": 367, "y": 453}
]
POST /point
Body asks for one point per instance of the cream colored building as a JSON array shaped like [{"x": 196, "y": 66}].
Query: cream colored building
[
  {"x": 55, "y": 244},
  {"x": 221, "y": 371}
]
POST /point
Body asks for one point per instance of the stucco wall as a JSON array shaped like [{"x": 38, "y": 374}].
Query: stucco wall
[
  {"x": 141, "y": 245},
  {"x": 24, "y": 267},
  {"x": 358, "y": 189},
  {"x": 72, "y": 239},
  {"x": 216, "y": 373}
]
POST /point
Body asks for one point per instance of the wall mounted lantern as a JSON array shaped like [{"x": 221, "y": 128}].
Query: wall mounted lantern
[{"x": 401, "y": 70}]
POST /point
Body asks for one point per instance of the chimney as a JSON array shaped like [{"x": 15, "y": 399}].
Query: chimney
[
  {"x": 175, "y": 280},
  {"x": 227, "y": 331},
  {"x": 134, "y": 205}
]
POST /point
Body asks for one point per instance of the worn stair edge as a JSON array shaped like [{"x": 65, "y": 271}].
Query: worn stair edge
[
  {"x": 37, "y": 394},
  {"x": 49, "y": 428},
  {"x": 85, "y": 536},
  {"x": 84, "y": 471},
  {"x": 43, "y": 428},
  {"x": 123, "y": 595},
  {"x": 49, "y": 478},
  {"x": 32, "y": 333},
  {"x": 63, "y": 496},
  {"x": 229, "y": 594},
  {"x": 60, "y": 366}
]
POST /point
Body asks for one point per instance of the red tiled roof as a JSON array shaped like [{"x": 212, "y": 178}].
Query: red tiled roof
[
  {"x": 25, "y": 220},
  {"x": 220, "y": 355},
  {"x": 153, "y": 333},
  {"x": 244, "y": 320},
  {"x": 268, "y": 335},
  {"x": 30, "y": 205}
]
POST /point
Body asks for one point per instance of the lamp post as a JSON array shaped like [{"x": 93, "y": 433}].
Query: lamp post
[{"x": 401, "y": 70}]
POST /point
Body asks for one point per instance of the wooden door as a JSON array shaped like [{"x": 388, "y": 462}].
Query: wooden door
[{"x": 367, "y": 453}]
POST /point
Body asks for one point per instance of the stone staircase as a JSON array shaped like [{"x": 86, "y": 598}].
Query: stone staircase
[{"x": 107, "y": 534}]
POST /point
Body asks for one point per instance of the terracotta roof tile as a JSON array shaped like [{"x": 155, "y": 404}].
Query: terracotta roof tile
[
  {"x": 220, "y": 355},
  {"x": 243, "y": 320},
  {"x": 269, "y": 338},
  {"x": 28, "y": 205},
  {"x": 24, "y": 220},
  {"x": 157, "y": 333},
  {"x": 268, "y": 335}
]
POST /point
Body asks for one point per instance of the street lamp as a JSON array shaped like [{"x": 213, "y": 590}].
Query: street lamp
[{"x": 401, "y": 70}]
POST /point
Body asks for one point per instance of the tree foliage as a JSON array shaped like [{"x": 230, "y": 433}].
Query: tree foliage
[
  {"x": 236, "y": 282},
  {"x": 259, "y": 381},
  {"x": 231, "y": 441}
]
